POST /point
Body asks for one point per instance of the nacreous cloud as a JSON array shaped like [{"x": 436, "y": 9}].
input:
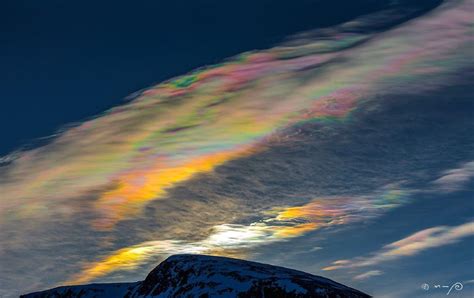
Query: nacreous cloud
[
  {"x": 456, "y": 179},
  {"x": 278, "y": 224},
  {"x": 134, "y": 153},
  {"x": 411, "y": 245}
]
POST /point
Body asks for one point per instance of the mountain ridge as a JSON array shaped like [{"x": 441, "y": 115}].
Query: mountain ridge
[{"x": 210, "y": 276}]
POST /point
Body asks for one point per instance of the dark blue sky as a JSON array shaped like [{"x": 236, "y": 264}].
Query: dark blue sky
[{"x": 65, "y": 61}]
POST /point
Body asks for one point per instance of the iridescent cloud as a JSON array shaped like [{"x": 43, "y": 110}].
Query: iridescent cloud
[
  {"x": 278, "y": 224},
  {"x": 368, "y": 274},
  {"x": 411, "y": 245},
  {"x": 455, "y": 179},
  {"x": 135, "y": 153}
]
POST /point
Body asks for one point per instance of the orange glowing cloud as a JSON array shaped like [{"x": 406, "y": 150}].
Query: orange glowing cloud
[
  {"x": 136, "y": 188},
  {"x": 279, "y": 224}
]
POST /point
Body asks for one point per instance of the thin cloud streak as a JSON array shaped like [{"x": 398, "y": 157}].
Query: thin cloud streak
[
  {"x": 368, "y": 275},
  {"x": 455, "y": 179},
  {"x": 410, "y": 246}
]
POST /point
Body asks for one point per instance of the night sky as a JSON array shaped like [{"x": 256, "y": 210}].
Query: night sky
[{"x": 333, "y": 137}]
